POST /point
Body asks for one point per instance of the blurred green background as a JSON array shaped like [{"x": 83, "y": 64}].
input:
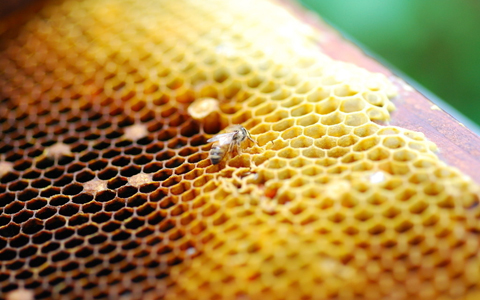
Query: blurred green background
[{"x": 435, "y": 42}]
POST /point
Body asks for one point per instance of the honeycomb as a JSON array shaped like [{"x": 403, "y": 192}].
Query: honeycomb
[{"x": 107, "y": 190}]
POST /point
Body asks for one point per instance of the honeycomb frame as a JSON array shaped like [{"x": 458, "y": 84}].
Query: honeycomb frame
[{"x": 107, "y": 190}]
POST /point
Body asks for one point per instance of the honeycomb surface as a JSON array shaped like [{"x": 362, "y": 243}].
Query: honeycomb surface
[{"x": 107, "y": 190}]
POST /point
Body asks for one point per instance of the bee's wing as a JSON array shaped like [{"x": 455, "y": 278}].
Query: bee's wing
[{"x": 223, "y": 139}]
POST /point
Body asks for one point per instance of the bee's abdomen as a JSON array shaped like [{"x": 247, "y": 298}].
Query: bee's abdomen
[{"x": 216, "y": 154}]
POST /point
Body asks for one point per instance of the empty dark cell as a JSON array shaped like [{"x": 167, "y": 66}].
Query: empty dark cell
[
  {"x": 94, "y": 115},
  {"x": 69, "y": 210},
  {"x": 142, "y": 159},
  {"x": 31, "y": 174},
  {"x": 44, "y": 163},
  {"x": 126, "y": 121},
  {"x": 42, "y": 237},
  {"x": 70, "y": 139},
  {"x": 137, "y": 200},
  {"x": 23, "y": 275},
  {"x": 81, "y": 127},
  {"x": 113, "y": 134},
  {"x": 9, "y": 230},
  {"x": 92, "y": 207},
  {"x": 162, "y": 175},
  {"x": 152, "y": 167},
  {"x": 114, "y": 205},
  {"x": 36, "y": 204},
  {"x": 198, "y": 140},
  {"x": 19, "y": 241},
  {"x": 138, "y": 278},
  {"x": 67, "y": 290},
  {"x": 63, "y": 181},
  {"x": 84, "y": 176},
  {"x": 134, "y": 223},
  {"x": 64, "y": 233},
  {"x": 55, "y": 223},
  {"x": 111, "y": 226},
  {"x": 132, "y": 151},
  {"x": 60, "y": 131},
  {"x": 144, "y": 232},
  {"x": 4, "y": 148},
  {"x": 75, "y": 167},
  {"x": 49, "y": 192},
  {"x": 6, "y": 198},
  {"x": 22, "y": 216},
  {"x": 147, "y": 116},
  {"x": 87, "y": 229},
  {"x": 70, "y": 267},
  {"x": 107, "y": 248},
  {"x": 127, "y": 191},
  {"x": 128, "y": 267},
  {"x": 167, "y": 134},
  {"x": 103, "y": 273},
  {"x": 72, "y": 189},
  {"x": 123, "y": 214},
  {"x": 3, "y": 188},
  {"x": 78, "y": 220},
  {"x": 121, "y": 236},
  {"x": 9, "y": 128},
  {"x": 50, "y": 247},
  {"x": 9, "y": 177},
  {"x": 59, "y": 200},
  {"x": 41, "y": 183},
  {"x": 39, "y": 134},
  {"x": 104, "y": 125},
  {"x": 97, "y": 239},
  {"x": 105, "y": 196},
  {"x": 115, "y": 183},
  {"x": 79, "y": 147},
  {"x": 177, "y": 143},
  {"x": 130, "y": 171},
  {"x": 145, "y": 140},
  {"x": 149, "y": 187},
  {"x": 14, "y": 157},
  {"x": 65, "y": 160},
  {"x": 155, "y": 148},
  {"x": 146, "y": 209},
  {"x": 46, "y": 212},
  {"x": 174, "y": 261},
  {"x": 98, "y": 165},
  {"x": 154, "y": 265},
  {"x": 72, "y": 243},
  {"x": 60, "y": 256},
  {"x": 37, "y": 261},
  {"x": 27, "y": 194},
  {"x": 25, "y": 145},
  {"x": 101, "y": 145},
  {"x": 7, "y": 254},
  {"x": 165, "y": 249},
  {"x": 55, "y": 172},
  {"x": 92, "y": 136},
  {"x": 18, "y": 185},
  {"x": 111, "y": 153},
  {"x": 48, "y": 143},
  {"x": 89, "y": 156},
  {"x": 32, "y": 226},
  {"x": 121, "y": 161},
  {"x": 22, "y": 165},
  {"x": 108, "y": 173},
  {"x": 14, "y": 207},
  {"x": 4, "y": 219},
  {"x": 82, "y": 198},
  {"x": 129, "y": 245},
  {"x": 28, "y": 251},
  {"x": 47, "y": 271},
  {"x": 84, "y": 252}
]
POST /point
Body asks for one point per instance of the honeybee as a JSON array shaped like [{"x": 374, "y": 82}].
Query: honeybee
[{"x": 228, "y": 142}]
